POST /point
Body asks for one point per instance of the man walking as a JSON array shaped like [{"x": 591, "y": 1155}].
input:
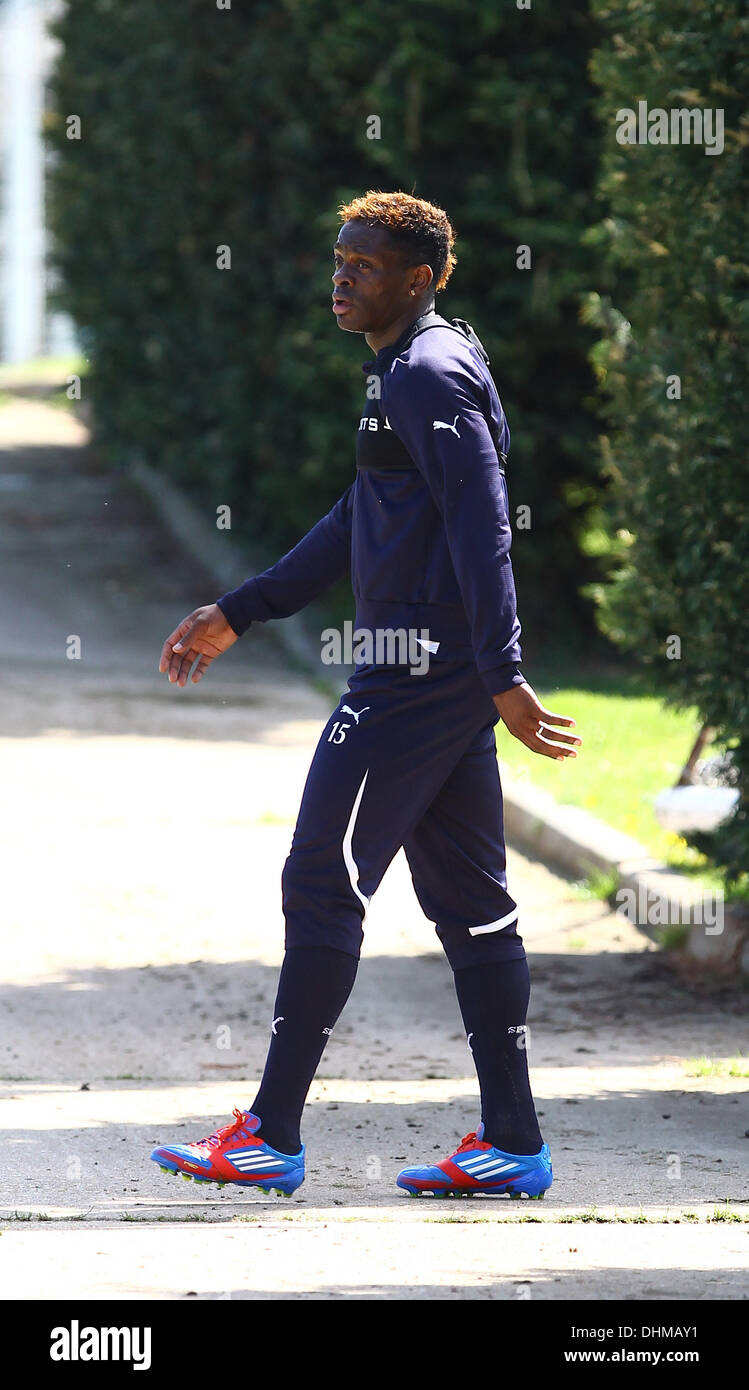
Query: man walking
[{"x": 408, "y": 758}]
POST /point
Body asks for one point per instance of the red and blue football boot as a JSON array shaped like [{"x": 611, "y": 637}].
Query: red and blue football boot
[
  {"x": 235, "y": 1154},
  {"x": 479, "y": 1167}
]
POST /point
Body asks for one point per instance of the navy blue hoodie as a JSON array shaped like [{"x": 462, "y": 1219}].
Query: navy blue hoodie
[{"x": 424, "y": 529}]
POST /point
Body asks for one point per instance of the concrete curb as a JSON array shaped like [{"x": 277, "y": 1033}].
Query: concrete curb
[
  {"x": 651, "y": 894},
  {"x": 225, "y": 560}
]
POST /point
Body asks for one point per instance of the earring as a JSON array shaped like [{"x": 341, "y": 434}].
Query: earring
[{"x": 413, "y": 291}]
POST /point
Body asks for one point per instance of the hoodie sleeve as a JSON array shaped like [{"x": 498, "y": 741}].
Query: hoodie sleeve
[
  {"x": 439, "y": 411},
  {"x": 319, "y": 558}
]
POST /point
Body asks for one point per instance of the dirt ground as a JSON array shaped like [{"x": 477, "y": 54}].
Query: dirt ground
[{"x": 144, "y": 829}]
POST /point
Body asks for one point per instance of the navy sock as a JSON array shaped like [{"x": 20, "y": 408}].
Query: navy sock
[
  {"x": 493, "y": 1000},
  {"x": 313, "y": 987}
]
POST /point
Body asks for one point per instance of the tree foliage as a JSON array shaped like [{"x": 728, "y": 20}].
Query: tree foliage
[
  {"x": 246, "y": 128},
  {"x": 676, "y": 307}
]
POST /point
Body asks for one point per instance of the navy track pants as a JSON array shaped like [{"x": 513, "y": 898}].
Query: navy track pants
[{"x": 405, "y": 760}]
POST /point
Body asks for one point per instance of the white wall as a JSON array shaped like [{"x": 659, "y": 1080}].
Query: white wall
[{"x": 27, "y": 329}]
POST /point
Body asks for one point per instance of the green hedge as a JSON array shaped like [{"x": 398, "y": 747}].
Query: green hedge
[
  {"x": 676, "y": 244},
  {"x": 203, "y": 127}
]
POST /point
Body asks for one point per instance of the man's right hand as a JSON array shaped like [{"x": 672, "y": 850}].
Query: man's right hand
[{"x": 204, "y": 634}]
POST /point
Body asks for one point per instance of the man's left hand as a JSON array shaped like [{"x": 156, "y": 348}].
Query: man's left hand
[{"x": 526, "y": 718}]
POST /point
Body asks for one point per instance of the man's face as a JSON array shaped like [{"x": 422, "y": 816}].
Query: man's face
[{"x": 371, "y": 284}]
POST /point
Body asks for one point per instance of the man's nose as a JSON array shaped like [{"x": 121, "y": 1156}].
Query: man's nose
[{"x": 341, "y": 276}]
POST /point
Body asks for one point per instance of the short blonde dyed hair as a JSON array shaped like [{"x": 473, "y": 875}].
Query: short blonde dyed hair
[{"x": 422, "y": 229}]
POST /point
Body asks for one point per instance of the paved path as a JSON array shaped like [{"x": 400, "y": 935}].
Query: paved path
[{"x": 143, "y": 830}]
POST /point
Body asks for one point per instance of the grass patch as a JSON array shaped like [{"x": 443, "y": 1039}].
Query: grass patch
[
  {"x": 598, "y": 884},
  {"x": 634, "y": 746},
  {"x": 672, "y": 936},
  {"x": 52, "y": 369},
  {"x": 62, "y": 401},
  {"x": 172, "y": 1220},
  {"x": 457, "y": 1220},
  {"x": 723, "y": 1066},
  {"x": 596, "y": 1218},
  {"x": 584, "y": 1217},
  {"x": 640, "y": 1219},
  {"x": 593, "y": 1217}
]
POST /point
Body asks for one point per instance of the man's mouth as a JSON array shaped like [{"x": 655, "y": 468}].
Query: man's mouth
[{"x": 341, "y": 305}]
